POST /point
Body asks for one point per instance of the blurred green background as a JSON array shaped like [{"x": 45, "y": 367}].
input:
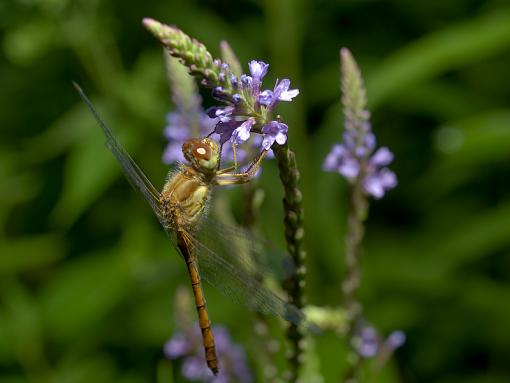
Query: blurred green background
[{"x": 87, "y": 278}]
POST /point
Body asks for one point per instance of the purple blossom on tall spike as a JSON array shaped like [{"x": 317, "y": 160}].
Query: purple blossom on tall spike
[
  {"x": 237, "y": 98},
  {"x": 223, "y": 113},
  {"x": 177, "y": 347},
  {"x": 242, "y": 133},
  {"x": 369, "y": 342},
  {"x": 396, "y": 339},
  {"x": 246, "y": 80},
  {"x": 234, "y": 81},
  {"x": 274, "y": 131},
  {"x": 258, "y": 70},
  {"x": 376, "y": 177},
  {"x": 250, "y": 102},
  {"x": 265, "y": 97},
  {"x": 356, "y": 158},
  {"x": 281, "y": 92},
  {"x": 226, "y": 129},
  {"x": 187, "y": 347},
  {"x": 179, "y": 129}
]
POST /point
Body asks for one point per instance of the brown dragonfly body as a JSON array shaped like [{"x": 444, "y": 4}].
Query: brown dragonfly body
[
  {"x": 180, "y": 209},
  {"x": 183, "y": 200}
]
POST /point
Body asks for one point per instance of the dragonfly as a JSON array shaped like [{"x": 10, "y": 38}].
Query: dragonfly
[{"x": 181, "y": 209}]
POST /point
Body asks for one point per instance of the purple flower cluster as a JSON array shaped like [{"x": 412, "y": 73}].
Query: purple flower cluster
[
  {"x": 188, "y": 348},
  {"x": 249, "y": 108},
  {"x": 370, "y": 344},
  {"x": 356, "y": 159}
]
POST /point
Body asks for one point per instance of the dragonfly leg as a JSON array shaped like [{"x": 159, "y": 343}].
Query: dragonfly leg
[
  {"x": 225, "y": 170},
  {"x": 224, "y": 178}
]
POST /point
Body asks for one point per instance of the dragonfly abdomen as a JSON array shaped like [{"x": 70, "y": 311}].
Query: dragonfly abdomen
[{"x": 186, "y": 248}]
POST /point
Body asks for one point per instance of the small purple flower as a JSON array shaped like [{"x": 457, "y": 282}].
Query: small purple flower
[
  {"x": 237, "y": 98},
  {"x": 379, "y": 181},
  {"x": 265, "y": 97},
  {"x": 396, "y": 339},
  {"x": 341, "y": 160},
  {"x": 233, "y": 80},
  {"x": 193, "y": 368},
  {"x": 223, "y": 113},
  {"x": 281, "y": 92},
  {"x": 177, "y": 347},
  {"x": 274, "y": 131},
  {"x": 368, "y": 342},
  {"x": 187, "y": 347},
  {"x": 179, "y": 128},
  {"x": 219, "y": 94},
  {"x": 332, "y": 161},
  {"x": 350, "y": 162},
  {"x": 172, "y": 153},
  {"x": 246, "y": 80},
  {"x": 242, "y": 133},
  {"x": 382, "y": 157},
  {"x": 258, "y": 69},
  {"x": 257, "y": 143},
  {"x": 226, "y": 129}
]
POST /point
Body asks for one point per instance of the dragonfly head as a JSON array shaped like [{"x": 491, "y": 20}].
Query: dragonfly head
[{"x": 202, "y": 153}]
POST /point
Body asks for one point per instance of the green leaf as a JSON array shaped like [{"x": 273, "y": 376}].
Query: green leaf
[
  {"x": 466, "y": 147},
  {"x": 83, "y": 293},
  {"x": 85, "y": 369},
  {"x": 457, "y": 46},
  {"x": 28, "y": 252},
  {"x": 21, "y": 330},
  {"x": 165, "y": 372},
  {"x": 29, "y": 41}
]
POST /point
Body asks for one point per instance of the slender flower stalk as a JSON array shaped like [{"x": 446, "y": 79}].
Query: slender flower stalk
[
  {"x": 294, "y": 233},
  {"x": 365, "y": 168}
]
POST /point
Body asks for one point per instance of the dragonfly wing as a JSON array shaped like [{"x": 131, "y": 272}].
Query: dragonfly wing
[
  {"x": 243, "y": 288},
  {"x": 131, "y": 170},
  {"x": 253, "y": 252}
]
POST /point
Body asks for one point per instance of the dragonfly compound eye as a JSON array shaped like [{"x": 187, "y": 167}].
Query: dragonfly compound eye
[{"x": 203, "y": 154}]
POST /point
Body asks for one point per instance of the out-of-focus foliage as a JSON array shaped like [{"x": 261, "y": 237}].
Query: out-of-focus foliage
[{"x": 87, "y": 278}]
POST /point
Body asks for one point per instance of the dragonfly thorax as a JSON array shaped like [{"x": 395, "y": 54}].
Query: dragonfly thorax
[
  {"x": 184, "y": 198},
  {"x": 203, "y": 154}
]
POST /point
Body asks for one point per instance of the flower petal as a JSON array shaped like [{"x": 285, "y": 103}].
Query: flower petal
[
  {"x": 382, "y": 157},
  {"x": 258, "y": 69},
  {"x": 267, "y": 141},
  {"x": 242, "y": 133},
  {"x": 349, "y": 168}
]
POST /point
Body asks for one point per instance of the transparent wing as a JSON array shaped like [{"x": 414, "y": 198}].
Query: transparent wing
[
  {"x": 252, "y": 251},
  {"x": 131, "y": 170},
  {"x": 237, "y": 281}
]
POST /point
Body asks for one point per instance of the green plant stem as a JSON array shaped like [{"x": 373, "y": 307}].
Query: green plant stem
[
  {"x": 358, "y": 210},
  {"x": 294, "y": 232}
]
